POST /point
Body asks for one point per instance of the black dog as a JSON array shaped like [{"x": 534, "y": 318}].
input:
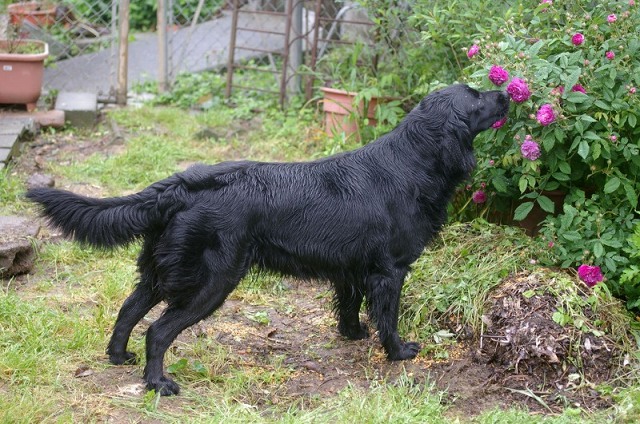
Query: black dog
[{"x": 357, "y": 219}]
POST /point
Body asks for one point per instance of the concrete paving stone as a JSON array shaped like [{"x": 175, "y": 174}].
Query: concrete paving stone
[
  {"x": 8, "y": 140},
  {"x": 12, "y": 125},
  {"x": 5, "y": 155},
  {"x": 80, "y": 108}
]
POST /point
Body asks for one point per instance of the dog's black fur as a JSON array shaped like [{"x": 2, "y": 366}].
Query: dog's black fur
[{"x": 358, "y": 220}]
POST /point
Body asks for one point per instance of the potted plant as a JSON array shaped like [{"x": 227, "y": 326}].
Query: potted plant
[
  {"x": 42, "y": 14},
  {"x": 352, "y": 93},
  {"x": 21, "y": 71}
]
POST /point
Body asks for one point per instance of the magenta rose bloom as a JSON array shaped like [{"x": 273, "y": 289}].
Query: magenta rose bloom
[
  {"x": 530, "y": 149},
  {"x": 610, "y": 55},
  {"x": 577, "y": 39},
  {"x": 579, "y": 88},
  {"x": 612, "y": 18},
  {"x": 473, "y": 50},
  {"x": 546, "y": 115},
  {"x": 518, "y": 90},
  {"x": 498, "y": 76},
  {"x": 591, "y": 275},
  {"x": 500, "y": 123},
  {"x": 479, "y": 197}
]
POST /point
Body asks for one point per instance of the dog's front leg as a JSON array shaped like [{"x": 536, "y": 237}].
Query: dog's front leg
[{"x": 383, "y": 302}]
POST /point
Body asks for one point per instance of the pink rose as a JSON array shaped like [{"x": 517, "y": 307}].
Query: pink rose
[
  {"x": 479, "y": 197},
  {"x": 473, "y": 50},
  {"x": 579, "y": 88},
  {"x": 530, "y": 149},
  {"x": 498, "y": 75},
  {"x": 632, "y": 90},
  {"x": 612, "y": 18},
  {"x": 546, "y": 115},
  {"x": 591, "y": 275},
  {"x": 610, "y": 55},
  {"x": 577, "y": 39},
  {"x": 499, "y": 124},
  {"x": 518, "y": 90}
]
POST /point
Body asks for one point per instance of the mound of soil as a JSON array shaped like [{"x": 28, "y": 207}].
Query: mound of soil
[{"x": 524, "y": 354}]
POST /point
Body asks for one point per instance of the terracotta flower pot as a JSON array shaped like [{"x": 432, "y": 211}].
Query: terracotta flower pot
[
  {"x": 339, "y": 111},
  {"x": 21, "y": 73},
  {"x": 39, "y": 13}
]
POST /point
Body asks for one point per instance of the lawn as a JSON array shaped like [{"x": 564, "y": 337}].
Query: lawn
[{"x": 504, "y": 339}]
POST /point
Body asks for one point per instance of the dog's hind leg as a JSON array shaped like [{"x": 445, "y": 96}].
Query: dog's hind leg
[
  {"x": 383, "y": 303},
  {"x": 144, "y": 297},
  {"x": 348, "y": 300},
  {"x": 133, "y": 310},
  {"x": 176, "y": 318}
]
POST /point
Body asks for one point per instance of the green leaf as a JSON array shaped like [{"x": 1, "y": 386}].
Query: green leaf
[
  {"x": 587, "y": 118},
  {"x": 500, "y": 183},
  {"x": 590, "y": 135},
  {"x": 612, "y": 185},
  {"x": 571, "y": 235},
  {"x": 546, "y": 204},
  {"x": 632, "y": 120},
  {"x": 571, "y": 80},
  {"x": 632, "y": 196},
  {"x": 583, "y": 149},
  {"x": 596, "y": 150},
  {"x": 576, "y": 97},
  {"x": 598, "y": 249},
  {"x": 177, "y": 366},
  {"x": 522, "y": 184},
  {"x": 522, "y": 211},
  {"x": 559, "y": 176},
  {"x": 564, "y": 167}
]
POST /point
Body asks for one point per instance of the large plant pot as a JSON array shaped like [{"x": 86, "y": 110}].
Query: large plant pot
[
  {"x": 21, "y": 74},
  {"x": 39, "y": 13},
  {"x": 340, "y": 112}
]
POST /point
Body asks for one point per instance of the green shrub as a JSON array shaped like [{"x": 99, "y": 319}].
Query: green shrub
[{"x": 588, "y": 148}]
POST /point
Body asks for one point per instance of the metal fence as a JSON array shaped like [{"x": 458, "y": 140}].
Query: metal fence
[{"x": 290, "y": 36}]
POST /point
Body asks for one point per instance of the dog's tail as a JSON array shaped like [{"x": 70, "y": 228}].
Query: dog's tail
[{"x": 112, "y": 221}]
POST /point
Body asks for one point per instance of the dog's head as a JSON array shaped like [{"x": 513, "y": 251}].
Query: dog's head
[{"x": 464, "y": 110}]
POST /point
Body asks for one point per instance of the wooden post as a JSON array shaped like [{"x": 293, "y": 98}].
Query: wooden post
[
  {"x": 295, "y": 48},
  {"x": 232, "y": 48},
  {"x": 123, "y": 53},
  {"x": 162, "y": 46}
]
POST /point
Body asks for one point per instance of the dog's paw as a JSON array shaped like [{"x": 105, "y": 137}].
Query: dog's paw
[
  {"x": 126, "y": 358},
  {"x": 357, "y": 332},
  {"x": 406, "y": 350},
  {"x": 165, "y": 386}
]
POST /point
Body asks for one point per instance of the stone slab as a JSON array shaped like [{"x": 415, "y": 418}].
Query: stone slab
[
  {"x": 16, "y": 245},
  {"x": 80, "y": 108}
]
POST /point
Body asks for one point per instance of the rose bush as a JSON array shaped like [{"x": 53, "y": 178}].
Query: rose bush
[{"x": 572, "y": 70}]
